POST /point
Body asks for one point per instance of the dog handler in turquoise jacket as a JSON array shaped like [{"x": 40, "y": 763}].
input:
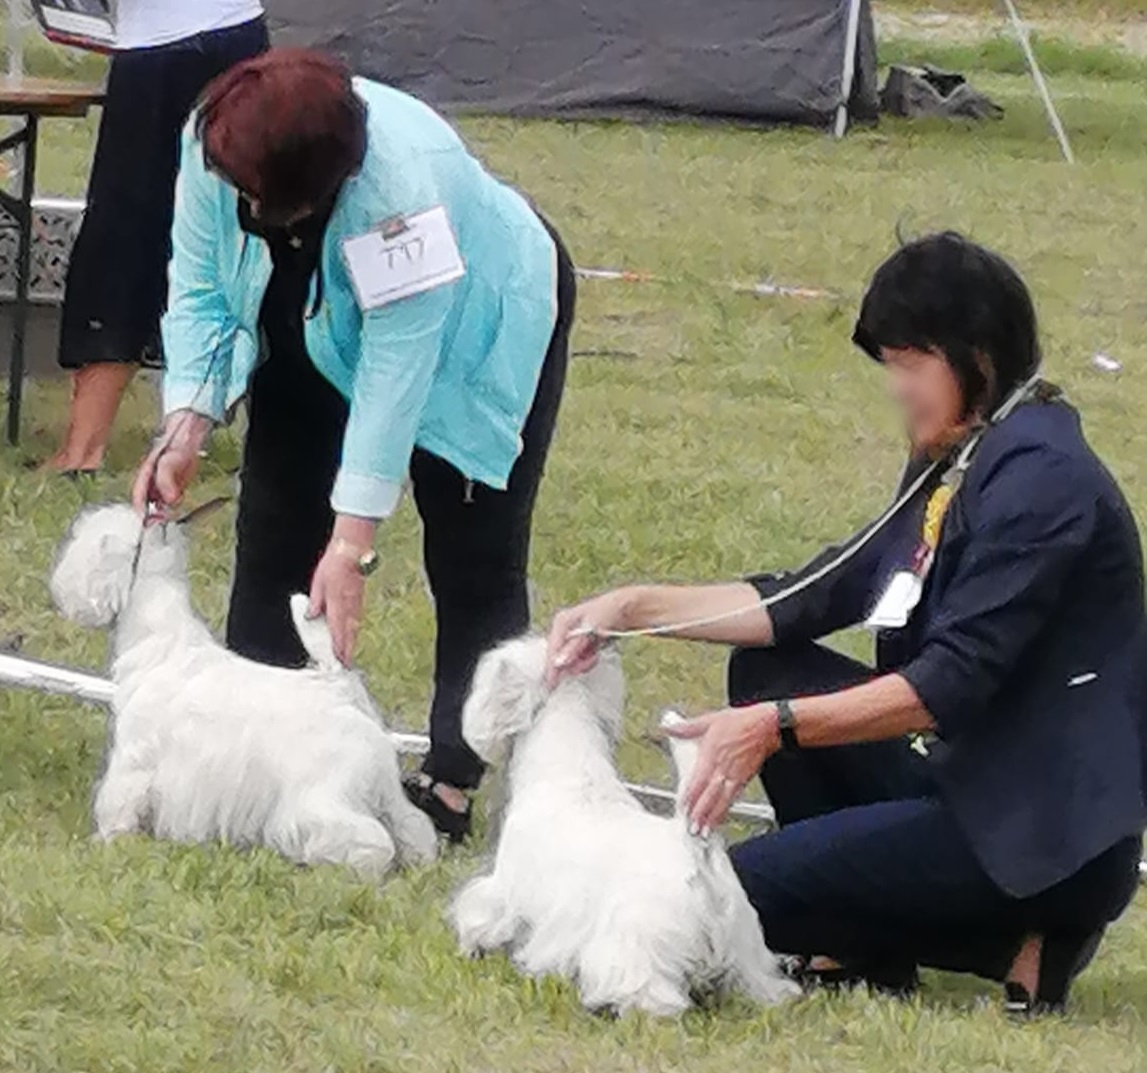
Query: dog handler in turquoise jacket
[{"x": 392, "y": 314}]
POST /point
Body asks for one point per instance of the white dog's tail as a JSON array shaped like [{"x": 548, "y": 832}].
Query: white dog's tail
[
  {"x": 684, "y": 752},
  {"x": 315, "y": 635}
]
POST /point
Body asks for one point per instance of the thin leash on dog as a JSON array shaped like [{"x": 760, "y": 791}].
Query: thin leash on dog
[
  {"x": 953, "y": 475},
  {"x": 195, "y": 513}
]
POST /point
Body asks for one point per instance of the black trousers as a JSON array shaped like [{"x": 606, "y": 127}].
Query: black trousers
[
  {"x": 476, "y": 540},
  {"x": 117, "y": 274},
  {"x": 870, "y": 866}
]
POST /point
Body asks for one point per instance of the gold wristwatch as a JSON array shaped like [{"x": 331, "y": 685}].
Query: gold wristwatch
[{"x": 365, "y": 561}]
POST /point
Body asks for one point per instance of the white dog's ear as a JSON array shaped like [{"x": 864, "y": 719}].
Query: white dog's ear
[
  {"x": 92, "y": 590},
  {"x": 509, "y": 689}
]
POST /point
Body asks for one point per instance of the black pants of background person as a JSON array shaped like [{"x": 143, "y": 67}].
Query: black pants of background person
[
  {"x": 117, "y": 275},
  {"x": 476, "y": 541},
  {"x": 870, "y": 867}
]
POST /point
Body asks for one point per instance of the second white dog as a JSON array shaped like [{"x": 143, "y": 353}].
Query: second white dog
[
  {"x": 586, "y": 884},
  {"x": 207, "y": 745}
]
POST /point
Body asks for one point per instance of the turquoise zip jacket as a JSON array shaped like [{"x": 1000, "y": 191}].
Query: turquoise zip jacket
[{"x": 452, "y": 370}]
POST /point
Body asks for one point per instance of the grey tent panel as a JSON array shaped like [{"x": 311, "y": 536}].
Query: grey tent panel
[{"x": 758, "y": 61}]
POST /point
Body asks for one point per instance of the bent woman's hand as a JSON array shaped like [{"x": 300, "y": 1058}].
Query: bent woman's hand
[
  {"x": 574, "y": 638},
  {"x": 171, "y": 464},
  {"x": 337, "y": 589},
  {"x": 733, "y": 745}
]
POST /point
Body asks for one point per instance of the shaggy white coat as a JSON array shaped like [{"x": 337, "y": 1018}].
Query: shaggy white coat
[
  {"x": 206, "y": 745},
  {"x": 586, "y": 883}
]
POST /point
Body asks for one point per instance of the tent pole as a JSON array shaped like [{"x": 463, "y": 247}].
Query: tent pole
[
  {"x": 1037, "y": 76},
  {"x": 848, "y": 75}
]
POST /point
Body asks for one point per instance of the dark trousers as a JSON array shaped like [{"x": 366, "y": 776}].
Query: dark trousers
[
  {"x": 870, "y": 866},
  {"x": 117, "y": 273},
  {"x": 476, "y": 541}
]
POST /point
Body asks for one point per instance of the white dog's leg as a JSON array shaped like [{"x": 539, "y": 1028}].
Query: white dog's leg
[
  {"x": 339, "y": 836},
  {"x": 754, "y": 969},
  {"x": 412, "y": 830},
  {"x": 481, "y": 917},
  {"x": 623, "y": 975},
  {"x": 121, "y": 803}
]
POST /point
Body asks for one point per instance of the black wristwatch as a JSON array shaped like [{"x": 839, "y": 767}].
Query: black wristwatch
[{"x": 787, "y": 724}]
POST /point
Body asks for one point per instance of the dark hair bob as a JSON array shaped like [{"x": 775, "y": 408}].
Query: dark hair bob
[{"x": 943, "y": 292}]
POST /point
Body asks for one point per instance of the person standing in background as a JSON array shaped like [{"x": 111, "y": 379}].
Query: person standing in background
[{"x": 117, "y": 280}]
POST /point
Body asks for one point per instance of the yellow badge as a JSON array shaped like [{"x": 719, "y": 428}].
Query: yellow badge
[{"x": 934, "y": 515}]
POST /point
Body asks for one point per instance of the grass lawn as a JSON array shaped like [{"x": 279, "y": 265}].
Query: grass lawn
[{"x": 705, "y": 434}]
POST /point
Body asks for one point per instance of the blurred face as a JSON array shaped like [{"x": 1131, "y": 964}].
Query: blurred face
[{"x": 927, "y": 391}]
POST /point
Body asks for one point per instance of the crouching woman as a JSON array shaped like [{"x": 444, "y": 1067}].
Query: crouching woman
[{"x": 974, "y": 803}]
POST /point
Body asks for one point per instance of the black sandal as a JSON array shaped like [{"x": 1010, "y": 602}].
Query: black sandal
[
  {"x": 1061, "y": 959},
  {"x": 454, "y": 825},
  {"x": 892, "y": 981}
]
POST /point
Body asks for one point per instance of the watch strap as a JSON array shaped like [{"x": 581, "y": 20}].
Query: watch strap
[{"x": 787, "y": 725}]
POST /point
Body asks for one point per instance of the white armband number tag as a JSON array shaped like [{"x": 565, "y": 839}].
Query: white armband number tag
[{"x": 402, "y": 258}]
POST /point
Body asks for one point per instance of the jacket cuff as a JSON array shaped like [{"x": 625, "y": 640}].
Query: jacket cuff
[
  {"x": 208, "y": 399},
  {"x": 787, "y": 616},
  {"x": 939, "y": 686},
  {"x": 364, "y": 496}
]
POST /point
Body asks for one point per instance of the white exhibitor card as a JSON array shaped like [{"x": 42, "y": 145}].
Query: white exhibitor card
[
  {"x": 402, "y": 258},
  {"x": 895, "y": 607}
]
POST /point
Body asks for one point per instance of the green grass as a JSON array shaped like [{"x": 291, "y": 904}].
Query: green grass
[
  {"x": 1105, "y": 10},
  {"x": 725, "y": 434},
  {"x": 1001, "y": 54}
]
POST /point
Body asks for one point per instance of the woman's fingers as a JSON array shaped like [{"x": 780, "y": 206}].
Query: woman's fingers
[
  {"x": 169, "y": 474},
  {"x": 716, "y": 809},
  {"x": 571, "y": 648},
  {"x": 318, "y": 598},
  {"x": 336, "y": 592},
  {"x": 710, "y": 807},
  {"x": 690, "y": 728},
  {"x": 702, "y": 776}
]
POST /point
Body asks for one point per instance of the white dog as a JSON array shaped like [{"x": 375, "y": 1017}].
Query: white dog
[
  {"x": 206, "y": 745},
  {"x": 586, "y": 884}
]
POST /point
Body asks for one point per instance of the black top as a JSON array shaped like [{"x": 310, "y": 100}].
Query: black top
[
  {"x": 1028, "y": 648},
  {"x": 295, "y": 254}
]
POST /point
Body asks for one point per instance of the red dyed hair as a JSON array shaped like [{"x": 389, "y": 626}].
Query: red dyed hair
[{"x": 286, "y": 128}]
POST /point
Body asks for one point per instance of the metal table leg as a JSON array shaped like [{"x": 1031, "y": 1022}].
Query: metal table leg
[{"x": 23, "y": 272}]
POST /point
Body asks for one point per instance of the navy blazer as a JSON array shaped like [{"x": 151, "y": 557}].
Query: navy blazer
[{"x": 1028, "y": 648}]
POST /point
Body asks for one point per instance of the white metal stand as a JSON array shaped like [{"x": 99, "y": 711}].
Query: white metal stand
[
  {"x": 1037, "y": 76},
  {"x": 64, "y": 681}
]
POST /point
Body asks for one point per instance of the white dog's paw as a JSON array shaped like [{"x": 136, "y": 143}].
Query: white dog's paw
[
  {"x": 480, "y": 919},
  {"x": 765, "y": 984},
  {"x": 671, "y": 719},
  {"x": 416, "y": 837}
]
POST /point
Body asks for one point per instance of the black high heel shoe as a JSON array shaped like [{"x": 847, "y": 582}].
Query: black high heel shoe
[
  {"x": 1062, "y": 958},
  {"x": 454, "y": 825},
  {"x": 892, "y": 981}
]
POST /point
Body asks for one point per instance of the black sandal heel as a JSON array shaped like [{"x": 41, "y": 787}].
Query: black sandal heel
[
  {"x": 454, "y": 825},
  {"x": 1062, "y": 958},
  {"x": 892, "y": 981}
]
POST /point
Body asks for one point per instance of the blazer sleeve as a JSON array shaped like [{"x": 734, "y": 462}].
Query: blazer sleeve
[
  {"x": 838, "y": 599},
  {"x": 401, "y": 348},
  {"x": 198, "y": 328},
  {"x": 1030, "y": 518}
]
